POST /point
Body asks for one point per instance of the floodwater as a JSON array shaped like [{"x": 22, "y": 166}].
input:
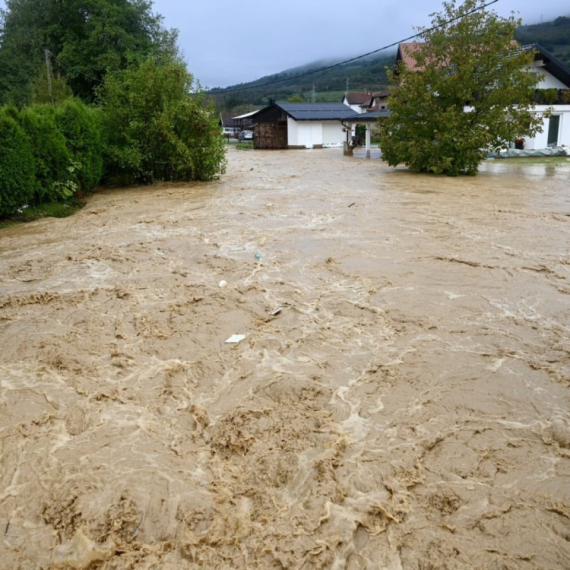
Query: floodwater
[{"x": 400, "y": 400}]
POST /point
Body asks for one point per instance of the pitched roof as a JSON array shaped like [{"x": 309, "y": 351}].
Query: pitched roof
[
  {"x": 357, "y": 98},
  {"x": 405, "y": 51},
  {"x": 554, "y": 66},
  {"x": 228, "y": 120},
  {"x": 246, "y": 115},
  {"x": 316, "y": 111},
  {"x": 551, "y": 64}
]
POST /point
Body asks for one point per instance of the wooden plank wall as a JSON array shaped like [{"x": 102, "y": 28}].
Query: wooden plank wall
[{"x": 270, "y": 135}]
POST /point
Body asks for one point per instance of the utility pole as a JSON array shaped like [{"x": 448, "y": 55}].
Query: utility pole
[
  {"x": 347, "y": 85},
  {"x": 314, "y": 93},
  {"x": 48, "y": 71}
]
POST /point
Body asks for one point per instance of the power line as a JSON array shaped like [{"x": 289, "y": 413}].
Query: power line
[{"x": 305, "y": 74}]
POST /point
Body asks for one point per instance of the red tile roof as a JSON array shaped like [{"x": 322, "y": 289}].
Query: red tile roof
[{"x": 358, "y": 98}]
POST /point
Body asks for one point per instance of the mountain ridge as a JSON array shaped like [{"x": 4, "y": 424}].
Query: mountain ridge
[{"x": 366, "y": 74}]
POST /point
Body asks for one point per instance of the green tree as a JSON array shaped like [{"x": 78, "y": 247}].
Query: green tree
[
  {"x": 17, "y": 167},
  {"x": 60, "y": 90},
  {"x": 466, "y": 92},
  {"x": 158, "y": 126},
  {"x": 87, "y": 38}
]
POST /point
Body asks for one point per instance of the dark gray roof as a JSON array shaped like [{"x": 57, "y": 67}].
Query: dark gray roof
[
  {"x": 551, "y": 64},
  {"x": 369, "y": 117},
  {"x": 317, "y": 111}
]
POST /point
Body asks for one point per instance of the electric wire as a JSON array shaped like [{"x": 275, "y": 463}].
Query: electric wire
[
  {"x": 340, "y": 63},
  {"x": 314, "y": 71}
]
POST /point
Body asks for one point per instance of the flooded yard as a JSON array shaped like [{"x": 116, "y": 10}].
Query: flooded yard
[{"x": 401, "y": 399}]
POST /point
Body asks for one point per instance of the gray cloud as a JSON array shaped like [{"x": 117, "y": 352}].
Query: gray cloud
[{"x": 226, "y": 42}]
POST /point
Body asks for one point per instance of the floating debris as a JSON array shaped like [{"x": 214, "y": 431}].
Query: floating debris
[{"x": 235, "y": 338}]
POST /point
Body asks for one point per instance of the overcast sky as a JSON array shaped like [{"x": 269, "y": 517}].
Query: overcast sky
[{"x": 227, "y": 42}]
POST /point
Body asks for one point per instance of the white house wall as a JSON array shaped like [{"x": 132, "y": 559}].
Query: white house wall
[
  {"x": 292, "y": 132},
  {"x": 310, "y": 133},
  {"x": 540, "y": 141},
  {"x": 333, "y": 132},
  {"x": 548, "y": 80},
  {"x": 357, "y": 108}
]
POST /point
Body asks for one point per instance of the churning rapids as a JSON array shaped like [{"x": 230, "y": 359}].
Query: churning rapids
[{"x": 400, "y": 400}]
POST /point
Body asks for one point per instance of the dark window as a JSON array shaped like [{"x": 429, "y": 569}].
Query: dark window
[{"x": 553, "y": 129}]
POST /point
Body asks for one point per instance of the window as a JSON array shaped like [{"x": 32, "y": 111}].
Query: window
[{"x": 553, "y": 130}]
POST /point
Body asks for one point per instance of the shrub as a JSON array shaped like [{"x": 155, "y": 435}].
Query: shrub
[
  {"x": 81, "y": 127},
  {"x": 547, "y": 96},
  {"x": 16, "y": 165},
  {"x": 52, "y": 158},
  {"x": 157, "y": 129}
]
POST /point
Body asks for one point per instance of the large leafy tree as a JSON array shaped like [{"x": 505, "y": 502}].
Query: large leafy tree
[
  {"x": 87, "y": 38},
  {"x": 159, "y": 126},
  {"x": 465, "y": 90}
]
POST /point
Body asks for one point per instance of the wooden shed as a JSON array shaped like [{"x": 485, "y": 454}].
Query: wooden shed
[{"x": 300, "y": 125}]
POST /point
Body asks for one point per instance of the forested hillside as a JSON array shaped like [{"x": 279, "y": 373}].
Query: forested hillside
[
  {"x": 365, "y": 74},
  {"x": 553, "y": 36}
]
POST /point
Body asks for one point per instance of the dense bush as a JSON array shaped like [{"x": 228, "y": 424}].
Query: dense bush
[
  {"x": 157, "y": 128},
  {"x": 17, "y": 182},
  {"x": 81, "y": 127},
  {"x": 53, "y": 175}
]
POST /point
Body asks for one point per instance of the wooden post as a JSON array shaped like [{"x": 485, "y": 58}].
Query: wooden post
[{"x": 48, "y": 71}]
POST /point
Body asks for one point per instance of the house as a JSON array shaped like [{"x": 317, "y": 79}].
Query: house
[
  {"x": 378, "y": 101},
  {"x": 245, "y": 121},
  {"x": 552, "y": 93},
  {"x": 300, "y": 125},
  {"x": 358, "y": 102},
  {"x": 230, "y": 127}
]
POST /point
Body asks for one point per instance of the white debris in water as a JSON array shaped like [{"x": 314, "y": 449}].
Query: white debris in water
[{"x": 235, "y": 338}]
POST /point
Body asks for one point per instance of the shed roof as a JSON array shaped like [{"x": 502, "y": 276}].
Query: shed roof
[
  {"x": 369, "y": 117},
  {"x": 316, "y": 111}
]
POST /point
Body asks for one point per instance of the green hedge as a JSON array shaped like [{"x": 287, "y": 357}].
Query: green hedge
[
  {"x": 52, "y": 158},
  {"x": 17, "y": 166},
  {"x": 48, "y": 153},
  {"x": 81, "y": 127}
]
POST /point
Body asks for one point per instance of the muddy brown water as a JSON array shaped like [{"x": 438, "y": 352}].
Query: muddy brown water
[{"x": 400, "y": 400}]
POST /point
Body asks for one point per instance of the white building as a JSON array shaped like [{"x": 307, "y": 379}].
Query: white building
[
  {"x": 359, "y": 101},
  {"x": 554, "y": 76},
  {"x": 301, "y": 125}
]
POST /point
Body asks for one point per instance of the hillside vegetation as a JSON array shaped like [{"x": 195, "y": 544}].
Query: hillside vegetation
[
  {"x": 365, "y": 74},
  {"x": 552, "y": 36}
]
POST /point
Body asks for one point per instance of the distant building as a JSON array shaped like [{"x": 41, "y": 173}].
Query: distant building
[
  {"x": 230, "y": 127},
  {"x": 359, "y": 101}
]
